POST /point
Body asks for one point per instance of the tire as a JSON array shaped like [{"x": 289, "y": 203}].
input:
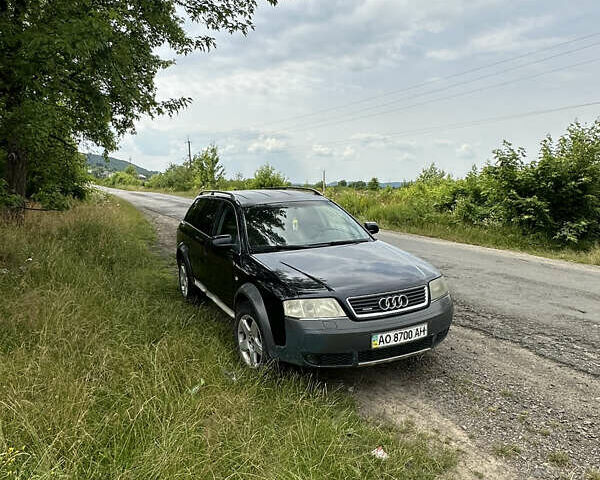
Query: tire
[
  {"x": 186, "y": 283},
  {"x": 249, "y": 338}
]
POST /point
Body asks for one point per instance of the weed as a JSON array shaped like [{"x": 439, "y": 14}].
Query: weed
[
  {"x": 506, "y": 450},
  {"x": 592, "y": 474},
  {"x": 106, "y": 373},
  {"x": 559, "y": 458}
]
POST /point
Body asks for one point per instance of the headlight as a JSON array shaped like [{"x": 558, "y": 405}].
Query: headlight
[
  {"x": 438, "y": 288},
  {"x": 313, "y": 308}
]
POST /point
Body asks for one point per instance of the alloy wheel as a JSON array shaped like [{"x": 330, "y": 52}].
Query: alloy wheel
[
  {"x": 250, "y": 341},
  {"x": 183, "y": 280}
]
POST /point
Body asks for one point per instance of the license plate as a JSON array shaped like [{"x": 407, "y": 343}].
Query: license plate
[{"x": 396, "y": 337}]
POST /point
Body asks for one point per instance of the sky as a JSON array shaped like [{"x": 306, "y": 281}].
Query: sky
[{"x": 379, "y": 88}]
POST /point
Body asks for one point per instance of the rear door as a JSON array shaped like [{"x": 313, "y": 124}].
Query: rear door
[
  {"x": 222, "y": 260},
  {"x": 198, "y": 226}
]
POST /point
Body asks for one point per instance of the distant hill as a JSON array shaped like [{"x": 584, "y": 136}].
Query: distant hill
[
  {"x": 393, "y": 184},
  {"x": 114, "y": 164}
]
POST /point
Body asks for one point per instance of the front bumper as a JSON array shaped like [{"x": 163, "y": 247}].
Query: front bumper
[{"x": 344, "y": 342}]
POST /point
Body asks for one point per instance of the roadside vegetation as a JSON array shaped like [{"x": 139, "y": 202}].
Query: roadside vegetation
[
  {"x": 548, "y": 206},
  {"x": 59, "y": 92},
  {"x": 105, "y": 372}
]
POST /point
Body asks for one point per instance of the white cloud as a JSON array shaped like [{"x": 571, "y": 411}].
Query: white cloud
[
  {"x": 315, "y": 55},
  {"x": 267, "y": 144},
  {"x": 230, "y": 148},
  {"x": 348, "y": 152},
  {"x": 465, "y": 151},
  {"x": 379, "y": 140},
  {"x": 512, "y": 36},
  {"x": 321, "y": 151}
]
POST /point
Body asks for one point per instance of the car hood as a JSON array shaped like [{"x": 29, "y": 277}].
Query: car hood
[{"x": 354, "y": 269}]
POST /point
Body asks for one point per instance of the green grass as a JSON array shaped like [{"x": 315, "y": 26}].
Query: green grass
[
  {"x": 106, "y": 373},
  {"x": 506, "y": 450},
  {"x": 593, "y": 474},
  {"x": 559, "y": 458},
  {"x": 412, "y": 211}
]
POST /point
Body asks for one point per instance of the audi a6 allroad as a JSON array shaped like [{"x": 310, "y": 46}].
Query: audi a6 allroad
[{"x": 306, "y": 283}]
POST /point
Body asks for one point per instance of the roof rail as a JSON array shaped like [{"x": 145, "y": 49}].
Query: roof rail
[
  {"x": 212, "y": 192},
  {"x": 304, "y": 189}
]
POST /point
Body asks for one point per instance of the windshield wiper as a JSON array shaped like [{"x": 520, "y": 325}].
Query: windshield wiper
[
  {"x": 275, "y": 248},
  {"x": 337, "y": 242}
]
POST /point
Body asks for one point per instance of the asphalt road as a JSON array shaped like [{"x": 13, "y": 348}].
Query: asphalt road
[
  {"x": 550, "y": 307},
  {"x": 521, "y": 366}
]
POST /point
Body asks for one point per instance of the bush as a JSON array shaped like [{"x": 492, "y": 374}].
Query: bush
[
  {"x": 177, "y": 178},
  {"x": 7, "y": 199},
  {"x": 267, "y": 176},
  {"x": 52, "y": 199},
  {"x": 122, "y": 178},
  {"x": 54, "y": 178},
  {"x": 203, "y": 172},
  {"x": 556, "y": 197}
]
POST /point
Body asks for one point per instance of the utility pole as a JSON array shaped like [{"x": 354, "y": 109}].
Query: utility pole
[
  {"x": 189, "y": 151},
  {"x": 323, "y": 181}
]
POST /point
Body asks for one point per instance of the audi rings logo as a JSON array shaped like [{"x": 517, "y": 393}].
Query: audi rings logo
[{"x": 393, "y": 303}]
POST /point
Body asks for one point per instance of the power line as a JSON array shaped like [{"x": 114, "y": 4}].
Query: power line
[
  {"x": 434, "y": 80},
  {"x": 456, "y": 95},
  {"x": 332, "y": 120},
  {"x": 454, "y": 126},
  {"x": 472, "y": 123}
]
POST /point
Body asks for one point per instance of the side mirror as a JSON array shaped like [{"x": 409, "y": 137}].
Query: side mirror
[
  {"x": 372, "y": 227},
  {"x": 222, "y": 241}
]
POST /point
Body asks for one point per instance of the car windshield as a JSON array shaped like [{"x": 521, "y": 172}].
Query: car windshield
[{"x": 300, "y": 225}]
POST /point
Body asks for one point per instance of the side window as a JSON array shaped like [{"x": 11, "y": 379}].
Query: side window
[
  {"x": 202, "y": 214},
  {"x": 228, "y": 223},
  {"x": 191, "y": 213}
]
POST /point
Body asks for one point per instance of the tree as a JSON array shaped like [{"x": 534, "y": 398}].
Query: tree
[
  {"x": 267, "y": 176},
  {"x": 431, "y": 174},
  {"x": 176, "y": 177},
  {"x": 207, "y": 171},
  {"x": 130, "y": 170},
  {"x": 373, "y": 184},
  {"x": 342, "y": 183},
  {"x": 358, "y": 185},
  {"x": 74, "y": 70}
]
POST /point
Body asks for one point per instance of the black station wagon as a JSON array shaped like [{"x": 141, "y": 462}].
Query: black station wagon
[{"x": 306, "y": 283}]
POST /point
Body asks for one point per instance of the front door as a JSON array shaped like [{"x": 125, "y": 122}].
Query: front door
[
  {"x": 200, "y": 222},
  {"x": 222, "y": 259}
]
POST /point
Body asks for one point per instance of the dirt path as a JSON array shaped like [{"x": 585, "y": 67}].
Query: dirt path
[
  {"x": 513, "y": 413},
  {"x": 514, "y": 409}
]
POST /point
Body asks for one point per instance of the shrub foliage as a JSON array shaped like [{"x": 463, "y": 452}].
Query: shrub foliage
[{"x": 556, "y": 196}]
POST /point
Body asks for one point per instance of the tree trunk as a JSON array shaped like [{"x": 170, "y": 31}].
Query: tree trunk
[{"x": 16, "y": 172}]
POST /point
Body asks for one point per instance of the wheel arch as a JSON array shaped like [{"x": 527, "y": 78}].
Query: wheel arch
[
  {"x": 249, "y": 292},
  {"x": 183, "y": 254}
]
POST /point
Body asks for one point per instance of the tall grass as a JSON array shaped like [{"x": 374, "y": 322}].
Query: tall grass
[
  {"x": 106, "y": 373},
  {"x": 413, "y": 209}
]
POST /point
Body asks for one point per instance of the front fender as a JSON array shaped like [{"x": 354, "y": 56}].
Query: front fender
[
  {"x": 182, "y": 249},
  {"x": 251, "y": 292}
]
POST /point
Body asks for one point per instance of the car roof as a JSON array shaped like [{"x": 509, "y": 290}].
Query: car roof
[{"x": 267, "y": 196}]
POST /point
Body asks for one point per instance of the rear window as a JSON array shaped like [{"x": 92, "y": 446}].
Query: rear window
[{"x": 202, "y": 214}]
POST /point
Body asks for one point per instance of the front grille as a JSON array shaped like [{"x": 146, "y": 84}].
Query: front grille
[
  {"x": 329, "y": 359},
  {"x": 395, "y": 351},
  {"x": 369, "y": 305}
]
